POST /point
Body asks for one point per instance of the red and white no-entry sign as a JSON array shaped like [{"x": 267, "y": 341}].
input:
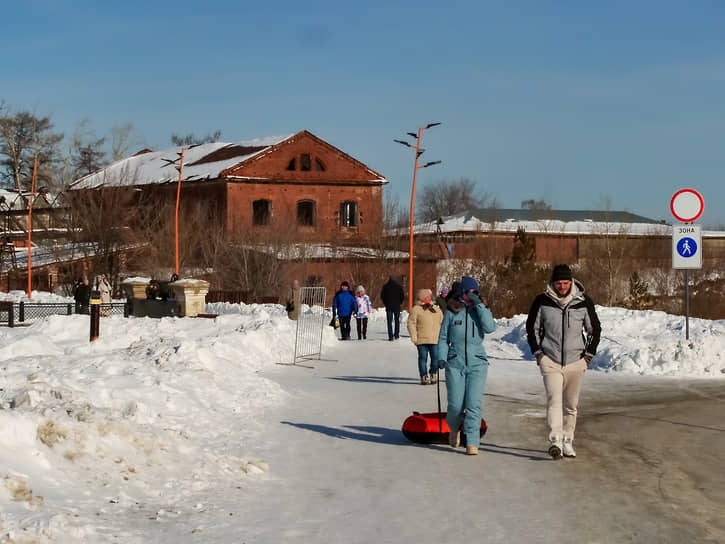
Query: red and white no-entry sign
[{"x": 687, "y": 205}]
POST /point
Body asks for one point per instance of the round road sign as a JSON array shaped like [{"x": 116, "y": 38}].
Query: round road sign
[{"x": 687, "y": 205}]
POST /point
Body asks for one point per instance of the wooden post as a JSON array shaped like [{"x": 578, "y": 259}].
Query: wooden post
[{"x": 95, "y": 315}]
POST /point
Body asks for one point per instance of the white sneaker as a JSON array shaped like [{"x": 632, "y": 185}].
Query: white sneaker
[
  {"x": 555, "y": 447},
  {"x": 568, "y": 448}
]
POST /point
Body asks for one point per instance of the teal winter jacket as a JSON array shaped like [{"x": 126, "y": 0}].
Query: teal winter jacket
[{"x": 460, "y": 342}]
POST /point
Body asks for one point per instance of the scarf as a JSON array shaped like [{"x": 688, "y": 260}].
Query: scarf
[{"x": 430, "y": 307}]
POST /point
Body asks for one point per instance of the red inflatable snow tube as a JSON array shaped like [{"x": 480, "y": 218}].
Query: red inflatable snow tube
[{"x": 431, "y": 428}]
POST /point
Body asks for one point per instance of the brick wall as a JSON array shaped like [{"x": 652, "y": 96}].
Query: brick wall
[{"x": 283, "y": 200}]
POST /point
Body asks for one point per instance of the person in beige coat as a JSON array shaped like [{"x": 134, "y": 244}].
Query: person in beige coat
[
  {"x": 424, "y": 324},
  {"x": 105, "y": 291}
]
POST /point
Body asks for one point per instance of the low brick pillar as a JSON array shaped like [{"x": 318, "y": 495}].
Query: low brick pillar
[
  {"x": 190, "y": 296},
  {"x": 135, "y": 287}
]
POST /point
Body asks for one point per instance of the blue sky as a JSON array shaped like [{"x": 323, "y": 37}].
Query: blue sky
[{"x": 587, "y": 105}]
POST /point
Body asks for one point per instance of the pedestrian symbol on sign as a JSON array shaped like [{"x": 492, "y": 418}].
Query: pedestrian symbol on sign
[{"x": 687, "y": 247}]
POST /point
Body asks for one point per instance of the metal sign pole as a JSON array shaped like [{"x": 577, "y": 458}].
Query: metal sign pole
[
  {"x": 687, "y": 205},
  {"x": 687, "y": 304}
]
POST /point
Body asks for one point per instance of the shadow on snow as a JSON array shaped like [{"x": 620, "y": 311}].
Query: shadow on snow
[{"x": 380, "y": 435}]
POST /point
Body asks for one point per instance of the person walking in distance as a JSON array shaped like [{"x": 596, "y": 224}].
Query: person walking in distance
[
  {"x": 563, "y": 332},
  {"x": 105, "y": 291},
  {"x": 364, "y": 309},
  {"x": 344, "y": 306},
  {"x": 441, "y": 299},
  {"x": 461, "y": 353},
  {"x": 83, "y": 296},
  {"x": 424, "y": 325},
  {"x": 392, "y": 296}
]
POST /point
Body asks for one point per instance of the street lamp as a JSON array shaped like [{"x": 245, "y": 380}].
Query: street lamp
[
  {"x": 418, "y": 153},
  {"x": 176, "y": 219},
  {"x": 180, "y": 168},
  {"x": 30, "y": 222}
]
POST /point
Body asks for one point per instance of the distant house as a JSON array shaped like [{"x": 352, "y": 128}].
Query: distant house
[
  {"x": 296, "y": 184},
  {"x": 560, "y": 235}
]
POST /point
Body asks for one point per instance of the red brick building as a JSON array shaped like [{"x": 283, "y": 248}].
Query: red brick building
[
  {"x": 297, "y": 183},
  {"x": 295, "y": 188}
]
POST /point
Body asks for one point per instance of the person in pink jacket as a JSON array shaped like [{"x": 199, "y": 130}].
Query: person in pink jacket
[{"x": 364, "y": 309}]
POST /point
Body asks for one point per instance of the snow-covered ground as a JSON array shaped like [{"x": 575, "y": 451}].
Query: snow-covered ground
[{"x": 159, "y": 413}]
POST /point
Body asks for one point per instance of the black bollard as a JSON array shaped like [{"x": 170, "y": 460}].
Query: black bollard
[{"x": 95, "y": 314}]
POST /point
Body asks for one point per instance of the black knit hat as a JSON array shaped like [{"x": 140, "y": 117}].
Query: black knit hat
[
  {"x": 561, "y": 272},
  {"x": 344, "y": 284}
]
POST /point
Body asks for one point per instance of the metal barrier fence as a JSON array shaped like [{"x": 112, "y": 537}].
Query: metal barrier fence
[
  {"x": 310, "y": 323},
  {"x": 13, "y": 313}
]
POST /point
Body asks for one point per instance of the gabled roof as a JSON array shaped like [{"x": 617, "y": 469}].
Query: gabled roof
[
  {"x": 201, "y": 162},
  {"x": 205, "y": 161}
]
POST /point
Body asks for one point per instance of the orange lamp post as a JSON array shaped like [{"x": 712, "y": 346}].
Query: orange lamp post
[
  {"x": 176, "y": 220},
  {"x": 416, "y": 167},
  {"x": 30, "y": 225}
]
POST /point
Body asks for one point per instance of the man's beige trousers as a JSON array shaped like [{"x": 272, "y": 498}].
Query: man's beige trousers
[{"x": 563, "y": 384}]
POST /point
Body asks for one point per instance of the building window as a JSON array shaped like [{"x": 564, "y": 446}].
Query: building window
[
  {"x": 306, "y": 213},
  {"x": 261, "y": 212},
  {"x": 348, "y": 214},
  {"x": 305, "y": 164}
]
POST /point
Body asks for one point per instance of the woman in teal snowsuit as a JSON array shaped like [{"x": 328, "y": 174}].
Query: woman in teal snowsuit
[{"x": 461, "y": 353}]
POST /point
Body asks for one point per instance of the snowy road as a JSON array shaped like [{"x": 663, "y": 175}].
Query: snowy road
[
  {"x": 183, "y": 430},
  {"x": 341, "y": 470}
]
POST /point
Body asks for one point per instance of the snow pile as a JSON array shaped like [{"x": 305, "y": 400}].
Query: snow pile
[
  {"x": 642, "y": 342},
  {"x": 155, "y": 408}
]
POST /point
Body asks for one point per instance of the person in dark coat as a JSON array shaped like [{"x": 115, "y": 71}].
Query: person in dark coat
[
  {"x": 441, "y": 299},
  {"x": 82, "y": 296},
  {"x": 344, "y": 305},
  {"x": 392, "y": 296}
]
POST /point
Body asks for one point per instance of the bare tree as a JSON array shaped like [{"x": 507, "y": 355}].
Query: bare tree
[
  {"x": 122, "y": 138},
  {"x": 24, "y": 138},
  {"x": 86, "y": 153},
  {"x": 532, "y": 204},
  {"x": 450, "y": 197},
  {"x": 191, "y": 139},
  {"x": 103, "y": 224}
]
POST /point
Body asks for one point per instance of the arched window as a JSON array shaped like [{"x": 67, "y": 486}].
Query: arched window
[
  {"x": 306, "y": 213},
  {"x": 348, "y": 214},
  {"x": 261, "y": 212},
  {"x": 305, "y": 164}
]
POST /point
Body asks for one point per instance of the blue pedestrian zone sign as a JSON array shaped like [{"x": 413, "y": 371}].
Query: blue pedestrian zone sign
[{"x": 686, "y": 247}]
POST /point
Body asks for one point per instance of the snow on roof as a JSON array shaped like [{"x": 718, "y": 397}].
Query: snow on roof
[
  {"x": 498, "y": 221},
  {"x": 205, "y": 161},
  {"x": 43, "y": 255}
]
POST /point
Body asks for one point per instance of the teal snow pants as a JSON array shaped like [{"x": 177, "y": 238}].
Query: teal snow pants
[{"x": 465, "y": 391}]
